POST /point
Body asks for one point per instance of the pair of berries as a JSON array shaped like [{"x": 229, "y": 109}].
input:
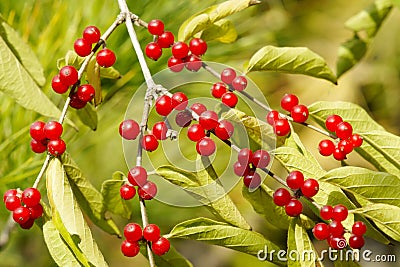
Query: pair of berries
[
  {"x": 184, "y": 55},
  {"x": 137, "y": 176},
  {"x": 47, "y": 136},
  {"x": 25, "y": 206},
  {"x": 151, "y": 233},
  {"x": 344, "y": 131}
]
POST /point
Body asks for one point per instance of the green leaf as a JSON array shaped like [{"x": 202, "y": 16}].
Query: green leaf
[
  {"x": 223, "y": 31},
  {"x": 371, "y": 18},
  {"x": 293, "y": 60},
  {"x": 386, "y": 217},
  {"x": 349, "y": 54},
  {"x": 206, "y": 190},
  {"x": 93, "y": 77},
  {"x": 171, "y": 259},
  {"x": 110, "y": 73},
  {"x": 62, "y": 201},
  {"x": 207, "y": 17},
  {"x": 88, "y": 197},
  {"x": 396, "y": 2},
  {"x": 222, "y": 234},
  {"x": 112, "y": 199},
  {"x": 88, "y": 116}
]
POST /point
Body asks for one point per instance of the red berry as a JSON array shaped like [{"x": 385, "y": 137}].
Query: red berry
[
  {"x": 338, "y": 154},
  {"x": 332, "y": 121},
  {"x": 155, "y": 27},
  {"x": 82, "y": 47},
  {"x": 260, "y": 159},
  {"x": 9, "y": 193},
  {"x": 68, "y": 75},
  {"x": 337, "y": 242},
  {"x": 137, "y": 176},
  {"x": 36, "y": 211},
  {"x": 164, "y": 105},
  {"x": 166, "y": 39},
  {"x": 224, "y": 130},
  {"x": 346, "y": 146},
  {"x": 58, "y": 86},
  {"x": 127, "y": 191},
  {"x": 344, "y": 130},
  {"x": 12, "y": 202},
  {"x": 53, "y": 130},
  {"x": 31, "y": 197},
  {"x": 229, "y": 99},
  {"x": 195, "y": 132},
  {"x": 227, "y": 75},
  {"x": 183, "y": 118},
  {"x": 295, "y": 180},
  {"x": 336, "y": 229},
  {"x": 106, "y": 58},
  {"x": 239, "y": 83},
  {"x": 193, "y": 63},
  {"x": 92, "y": 34},
  {"x": 240, "y": 169},
  {"x": 180, "y": 50},
  {"x": 129, "y": 129},
  {"x": 36, "y": 130},
  {"x": 130, "y": 249},
  {"x": 208, "y": 119},
  {"x": 252, "y": 180},
  {"x": 356, "y": 241},
  {"x": 86, "y": 92},
  {"x": 326, "y": 212},
  {"x": 299, "y": 113},
  {"x": 76, "y": 102},
  {"x": 148, "y": 191},
  {"x": 133, "y": 232},
  {"x": 160, "y": 130},
  {"x": 28, "y": 224},
  {"x": 310, "y": 188},
  {"x": 149, "y": 142},
  {"x": 56, "y": 147},
  {"x": 198, "y": 46},
  {"x": 218, "y": 89},
  {"x": 161, "y": 246},
  {"x": 294, "y": 208},
  {"x": 272, "y": 116},
  {"x": 205, "y": 146},
  {"x": 21, "y": 215},
  {"x": 38, "y": 146},
  {"x": 245, "y": 156},
  {"x": 359, "y": 228},
  {"x": 175, "y": 64},
  {"x": 179, "y": 101},
  {"x": 288, "y": 102},
  {"x": 198, "y": 108},
  {"x": 357, "y": 140},
  {"x": 321, "y": 231},
  {"x": 151, "y": 232},
  {"x": 326, "y": 147},
  {"x": 340, "y": 213},
  {"x": 281, "y": 197},
  {"x": 153, "y": 51},
  {"x": 281, "y": 127}
]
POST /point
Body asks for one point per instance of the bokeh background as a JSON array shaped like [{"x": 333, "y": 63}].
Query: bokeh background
[{"x": 50, "y": 28}]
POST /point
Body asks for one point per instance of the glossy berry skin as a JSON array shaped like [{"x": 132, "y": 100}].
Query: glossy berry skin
[
  {"x": 326, "y": 212},
  {"x": 36, "y": 211},
  {"x": 321, "y": 231},
  {"x": 31, "y": 197},
  {"x": 227, "y": 75},
  {"x": 245, "y": 156},
  {"x": 133, "y": 232},
  {"x": 260, "y": 159},
  {"x": 160, "y": 130},
  {"x": 299, "y": 113},
  {"x": 295, "y": 180},
  {"x": 208, "y": 119},
  {"x": 137, "y": 176},
  {"x": 180, "y": 50},
  {"x": 252, "y": 180},
  {"x": 338, "y": 154},
  {"x": 294, "y": 208},
  {"x": 106, "y": 58},
  {"x": 149, "y": 142},
  {"x": 218, "y": 89},
  {"x": 179, "y": 101},
  {"x": 281, "y": 197},
  {"x": 161, "y": 246},
  {"x": 193, "y": 63},
  {"x": 310, "y": 188},
  {"x": 127, "y": 191},
  {"x": 289, "y": 101},
  {"x": 239, "y": 83},
  {"x": 272, "y": 116},
  {"x": 359, "y": 228},
  {"x": 205, "y": 146},
  {"x": 356, "y": 140},
  {"x": 326, "y": 147},
  {"x": 356, "y": 241},
  {"x": 28, "y": 224},
  {"x": 336, "y": 229},
  {"x": 38, "y": 146},
  {"x": 12, "y": 202},
  {"x": 346, "y": 146},
  {"x": 281, "y": 127},
  {"x": 198, "y": 46},
  {"x": 198, "y": 108},
  {"x": 91, "y": 34},
  {"x": 76, "y": 103},
  {"x": 340, "y": 213},
  {"x": 148, "y": 191},
  {"x": 151, "y": 232},
  {"x": 21, "y": 215},
  {"x": 175, "y": 64},
  {"x": 68, "y": 75},
  {"x": 130, "y": 249},
  {"x": 9, "y": 193},
  {"x": 129, "y": 129},
  {"x": 36, "y": 130},
  {"x": 195, "y": 132},
  {"x": 240, "y": 169},
  {"x": 224, "y": 130},
  {"x": 164, "y": 105},
  {"x": 58, "y": 86},
  {"x": 153, "y": 51},
  {"x": 229, "y": 99},
  {"x": 53, "y": 130},
  {"x": 86, "y": 92},
  {"x": 166, "y": 39},
  {"x": 155, "y": 27},
  {"x": 56, "y": 147},
  {"x": 332, "y": 121},
  {"x": 82, "y": 47},
  {"x": 183, "y": 118}
]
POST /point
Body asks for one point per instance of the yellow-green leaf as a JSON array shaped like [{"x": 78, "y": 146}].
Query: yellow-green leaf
[
  {"x": 223, "y": 31},
  {"x": 349, "y": 54},
  {"x": 93, "y": 77}
]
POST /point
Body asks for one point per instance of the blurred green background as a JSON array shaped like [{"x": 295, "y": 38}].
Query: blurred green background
[{"x": 50, "y": 28}]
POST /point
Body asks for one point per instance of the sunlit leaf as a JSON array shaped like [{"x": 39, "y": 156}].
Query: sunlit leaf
[
  {"x": 349, "y": 54},
  {"x": 88, "y": 116},
  {"x": 223, "y": 31}
]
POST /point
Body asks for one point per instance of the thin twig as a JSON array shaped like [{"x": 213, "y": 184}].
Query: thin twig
[{"x": 5, "y": 234}]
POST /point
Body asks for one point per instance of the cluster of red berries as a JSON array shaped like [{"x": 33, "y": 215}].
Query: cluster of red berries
[
  {"x": 47, "y": 136},
  {"x": 137, "y": 176},
  {"x": 344, "y": 131},
  {"x": 295, "y": 181},
  {"x": 151, "y": 233},
  {"x": 25, "y": 206},
  {"x": 334, "y": 231}
]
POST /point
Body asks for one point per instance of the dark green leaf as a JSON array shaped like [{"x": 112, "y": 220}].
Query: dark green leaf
[
  {"x": 88, "y": 116},
  {"x": 223, "y": 31},
  {"x": 349, "y": 54}
]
